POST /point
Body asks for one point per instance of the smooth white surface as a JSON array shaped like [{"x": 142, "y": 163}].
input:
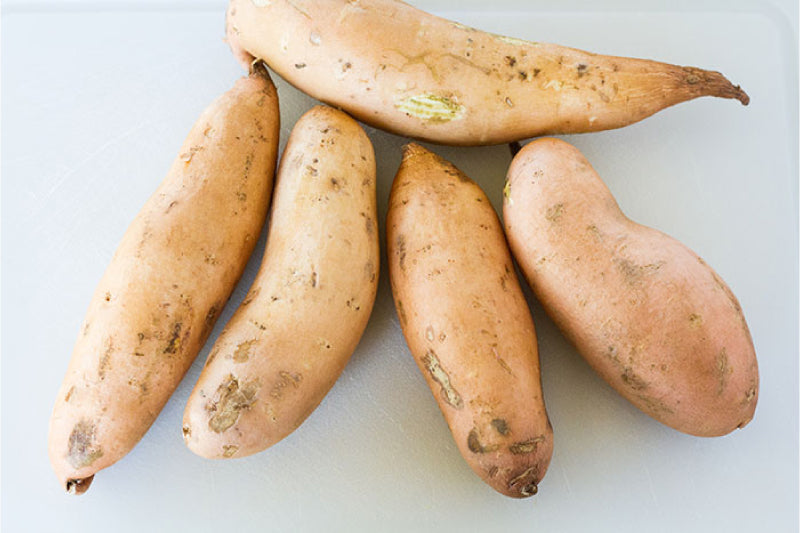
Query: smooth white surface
[{"x": 96, "y": 100}]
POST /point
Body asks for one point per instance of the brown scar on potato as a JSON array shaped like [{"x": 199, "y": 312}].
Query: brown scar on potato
[
  {"x": 530, "y": 487},
  {"x": 633, "y": 380},
  {"x": 285, "y": 379},
  {"x": 231, "y": 401},
  {"x": 369, "y": 269},
  {"x": 174, "y": 342},
  {"x": 554, "y": 212},
  {"x": 250, "y": 296},
  {"x": 229, "y": 450},
  {"x": 695, "y": 320},
  {"x": 431, "y": 362},
  {"x": 83, "y": 450},
  {"x": 632, "y": 272},
  {"x": 501, "y": 426},
  {"x": 655, "y": 405},
  {"x": 401, "y": 312},
  {"x": 475, "y": 446},
  {"x": 242, "y": 351},
  {"x": 401, "y": 250},
  {"x": 105, "y": 360},
  {"x": 528, "y": 446}
]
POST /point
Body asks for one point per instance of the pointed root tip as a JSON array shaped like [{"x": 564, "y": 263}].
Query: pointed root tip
[
  {"x": 77, "y": 487},
  {"x": 712, "y": 83},
  {"x": 741, "y": 96},
  {"x": 258, "y": 68},
  {"x": 411, "y": 150}
]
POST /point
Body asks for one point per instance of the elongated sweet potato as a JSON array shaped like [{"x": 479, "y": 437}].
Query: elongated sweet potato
[
  {"x": 466, "y": 321},
  {"x": 414, "y": 74},
  {"x": 301, "y": 321},
  {"x": 649, "y": 315},
  {"x": 167, "y": 283}
]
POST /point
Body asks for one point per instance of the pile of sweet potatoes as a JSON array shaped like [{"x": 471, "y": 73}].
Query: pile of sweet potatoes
[{"x": 648, "y": 314}]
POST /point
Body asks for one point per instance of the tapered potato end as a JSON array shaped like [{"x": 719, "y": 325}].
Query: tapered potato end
[
  {"x": 78, "y": 486},
  {"x": 710, "y": 83}
]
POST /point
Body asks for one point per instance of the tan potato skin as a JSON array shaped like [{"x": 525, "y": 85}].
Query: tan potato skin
[
  {"x": 400, "y": 69},
  {"x": 295, "y": 331},
  {"x": 649, "y": 315},
  {"x": 167, "y": 283},
  {"x": 466, "y": 321}
]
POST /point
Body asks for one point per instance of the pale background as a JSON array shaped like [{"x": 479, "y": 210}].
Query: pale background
[{"x": 96, "y": 100}]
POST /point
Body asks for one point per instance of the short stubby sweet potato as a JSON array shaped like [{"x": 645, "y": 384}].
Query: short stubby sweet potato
[
  {"x": 305, "y": 313},
  {"x": 648, "y": 314},
  {"x": 466, "y": 321},
  {"x": 398, "y": 68},
  {"x": 167, "y": 283}
]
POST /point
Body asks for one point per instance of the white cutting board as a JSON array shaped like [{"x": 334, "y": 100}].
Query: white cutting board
[{"x": 96, "y": 100}]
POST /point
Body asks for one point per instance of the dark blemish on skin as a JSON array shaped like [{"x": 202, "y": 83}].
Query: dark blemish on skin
[
  {"x": 510, "y": 61},
  {"x": 187, "y": 431},
  {"x": 258, "y": 324},
  {"x": 105, "y": 360},
  {"x": 82, "y": 449},
  {"x": 314, "y": 278},
  {"x": 108, "y": 296},
  {"x": 174, "y": 343},
  {"x": 242, "y": 352},
  {"x": 451, "y": 170},
  {"x": 369, "y": 269},
  {"x": 229, "y": 450},
  {"x": 212, "y": 356},
  {"x": 285, "y": 379},
  {"x": 554, "y": 213},
  {"x": 654, "y": 405},
  {"x": 633, "y": 380},
  {"x": 582, "y": 70},
  {"x": 299, "y": 65},
  {"x": 528, "y": 446},
  {"x": 493, "y": 471},
  {"x": 501, "y": 426},
  {"x": 401, "y": 312},
  {"x": 530, "y": 488},
  {"x": 695, "y": 320},
  {"x": 211, "y": 316},
  {"x": 69, "y": 393},
  {"x": 430, "y": 361},
  {"x": 231, "y": 401},
  {"x": 633, "y": 272},
  {"x": 475, "y": 446},
  {"x": 335, "y": 184},
  {"x": 400, "y": 242},
  {"x": 250, "y": 297},
  {"x": 312, "y": 171},
  {"x": 749, "y": 395}
]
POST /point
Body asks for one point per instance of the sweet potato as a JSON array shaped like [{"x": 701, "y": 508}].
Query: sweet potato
[
  {"x": 400, "y": 69},
  {"x": 649, "y": 315},
  {"x": 167, "y": 283},
  {"x": 301, "y": 321},
  {"x": 466, "y": 321}
]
